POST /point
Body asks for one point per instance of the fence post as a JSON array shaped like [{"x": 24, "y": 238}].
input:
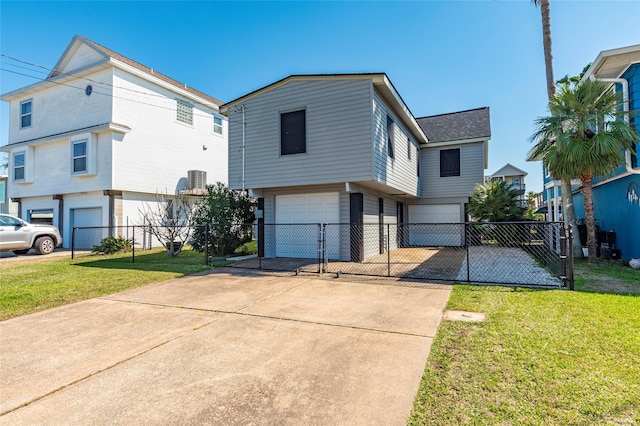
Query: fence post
[
  {"x": 570, "y": 256},
  {"x": 73, "y": 242},
  {"x": 206, "y": 244},
  {"x": 388, "y": 251},
  {"x": 466, "y": 241},
  {"x": 133, "y": 244}
]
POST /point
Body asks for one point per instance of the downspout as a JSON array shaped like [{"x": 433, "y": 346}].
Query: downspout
[{"x": 625, "y": 107}]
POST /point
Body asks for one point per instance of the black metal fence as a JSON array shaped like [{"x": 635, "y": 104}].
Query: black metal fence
[{"x": 522, "y": 253}]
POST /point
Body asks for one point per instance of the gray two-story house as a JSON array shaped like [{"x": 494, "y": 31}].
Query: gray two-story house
[{"x": 346, "y": 149}]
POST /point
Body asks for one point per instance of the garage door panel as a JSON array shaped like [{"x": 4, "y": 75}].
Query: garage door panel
[
  {"x": 87, "y": 217},
  {"x": 302, "y": 241},
  {"x": 428, "y": 235}
]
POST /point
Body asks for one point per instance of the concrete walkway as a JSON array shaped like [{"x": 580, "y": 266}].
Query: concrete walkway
[{"x": 231, "y": 347}]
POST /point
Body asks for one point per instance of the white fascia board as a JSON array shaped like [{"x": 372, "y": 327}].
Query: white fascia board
[
  {"x": 166, "y": 85},
  {"x": 393, "y": 97},
  {"x": 115, "y": 127},
  {"x": 454, "y": 142},
  {"x": 603, "y": 55},
  {"x": 77, "y": 74}
]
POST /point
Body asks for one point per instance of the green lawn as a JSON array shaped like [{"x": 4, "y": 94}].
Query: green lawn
[
  {"x": 541, "y": 357},
  {"x": 27, "y": 287}
]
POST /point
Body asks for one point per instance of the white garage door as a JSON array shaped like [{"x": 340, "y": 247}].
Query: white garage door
[
  {"x": 293, "y": 238},
  {"x": 435, "y": 235},
  {"x": 82, "y": 218}
]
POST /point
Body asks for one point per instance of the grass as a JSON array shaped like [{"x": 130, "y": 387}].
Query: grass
[
  {"x": 541, "y": 357},
  {"x": 27, "y": 287}
]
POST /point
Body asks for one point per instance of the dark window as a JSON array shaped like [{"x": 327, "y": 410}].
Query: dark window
[
  {"x": 293, "y": 134},
  {"x": 450, "y": 162},
  {"x": 390, "y": 136},
  {"x": 418, "y": 163}
]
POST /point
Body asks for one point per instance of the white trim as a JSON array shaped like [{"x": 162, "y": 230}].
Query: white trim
[
  {"x": 455, "y": 142},
  {"x": 30, "y": 101}
]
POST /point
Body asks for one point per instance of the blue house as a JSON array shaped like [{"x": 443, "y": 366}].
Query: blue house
[{"x": 617, "y": 196}]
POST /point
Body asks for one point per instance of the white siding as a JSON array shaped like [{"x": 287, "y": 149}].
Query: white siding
[
  {"x": 51, "y": 167},
  {"x": 157, "y": 154},
  {"x": 61, "y": 108},
  {"x": 338, "y": 135}
]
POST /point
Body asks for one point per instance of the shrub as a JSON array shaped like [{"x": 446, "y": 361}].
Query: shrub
[{"x": 111, "y": 245}]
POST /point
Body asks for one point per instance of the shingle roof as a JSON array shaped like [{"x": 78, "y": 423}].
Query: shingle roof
[
  {"x": 453, "y": 126},
  {"x": 147, "y": 70}
]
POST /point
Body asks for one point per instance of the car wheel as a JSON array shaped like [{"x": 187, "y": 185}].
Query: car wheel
[
  {"x": 19, "y": 252},
  {"x": 44, "y": 245}
]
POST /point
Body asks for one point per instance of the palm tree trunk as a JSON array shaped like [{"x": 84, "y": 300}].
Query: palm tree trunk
[
  {"x": 546, "y": 42},
  {"x": 587, "y": 192},
  {"x": 568, "y": 210}
]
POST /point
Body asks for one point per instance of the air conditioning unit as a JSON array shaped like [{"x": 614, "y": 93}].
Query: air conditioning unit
[{"x": 197, "y": 179}]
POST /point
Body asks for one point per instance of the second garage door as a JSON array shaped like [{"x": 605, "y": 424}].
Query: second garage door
[
  {"x": 292, "y": 211},
  {"x": 443, "y": 235}
]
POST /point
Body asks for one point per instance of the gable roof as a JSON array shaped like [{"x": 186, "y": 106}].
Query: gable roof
[
  {"x": 115, "y": 59},
  {"x": 457, "y": 126},
  {"x": 613, "y": 63},
  {"x": 509, "y": 170},
  {"x": 379, "y": 80}
]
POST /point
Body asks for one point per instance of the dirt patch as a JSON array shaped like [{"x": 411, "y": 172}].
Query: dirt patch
[{"x": 464, "y": 316}]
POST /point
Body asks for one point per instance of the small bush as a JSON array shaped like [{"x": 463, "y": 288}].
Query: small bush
[{"x": 111, "y": 245}]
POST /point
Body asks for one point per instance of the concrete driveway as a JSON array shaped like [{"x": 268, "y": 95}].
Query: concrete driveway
[{"x": 229, "y": 347}]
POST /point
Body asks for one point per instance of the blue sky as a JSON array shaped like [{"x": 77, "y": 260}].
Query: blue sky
[{"x": 442, "y": 56}]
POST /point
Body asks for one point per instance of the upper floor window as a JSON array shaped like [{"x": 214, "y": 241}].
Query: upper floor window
[
  {"x": 390, "y": 137},
  {"x": 184, "y": 112},
  {"x": 418, "y": 162},
  {"x": 19, "y": 166},
  {"x": 409, "y": 149},
  {"x": 293, "y": 133},
  {"x": 217, "y": 125},
  {"x": 79, "y": 157},
  {"x": 25, "y": 114},
  {"x": 450, "y": 162}
]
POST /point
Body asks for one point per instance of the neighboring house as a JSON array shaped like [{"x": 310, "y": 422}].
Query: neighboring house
[
  {"x": 514, "y": 177},
  {"x": 6, "y": 205},
  {"x": 617, "y": 197},
  {"x": 102, "y": 135},
  {"x": 346, "y": 149}
]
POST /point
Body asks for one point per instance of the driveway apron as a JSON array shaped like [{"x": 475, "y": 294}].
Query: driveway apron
[{"x": 229, "y": 347}]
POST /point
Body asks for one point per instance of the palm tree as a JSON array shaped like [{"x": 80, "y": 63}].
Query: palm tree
[
  {"x": 568, "y": 210},
  {"x": 583, "y": 139},
  {"x": 495, "y": 201}
]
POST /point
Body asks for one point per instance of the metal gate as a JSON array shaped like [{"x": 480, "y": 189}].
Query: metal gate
[{"x": 514, "y": 253}]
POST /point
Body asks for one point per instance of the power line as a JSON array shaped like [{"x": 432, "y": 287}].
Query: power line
[
  {"x": 169, "y": 108},
  {"x": 78, "y": 77}
]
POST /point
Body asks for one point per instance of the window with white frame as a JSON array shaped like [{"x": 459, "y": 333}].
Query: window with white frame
[
  {"x": 79, "y": 156},
  {"x": 25, "y": 114},
  {"x": 184, "y": 112},
  {"x": 217, "y": 125},
  {"x": 19, "y": 166}
]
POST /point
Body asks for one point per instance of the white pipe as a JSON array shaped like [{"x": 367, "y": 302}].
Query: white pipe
[
  {"x": 625, "y": 107},
  {"x": 243, "y": 143}
]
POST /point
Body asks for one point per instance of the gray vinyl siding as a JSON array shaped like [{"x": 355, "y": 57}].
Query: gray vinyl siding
[
  {"x": 338, "y": 135},
  {"x": 471, "y": 172},
  {"x": 399, "y": 172}
]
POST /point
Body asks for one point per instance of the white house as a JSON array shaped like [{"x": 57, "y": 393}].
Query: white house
[
  {"x": 102, "y": 135},
  {"x": 514, "y": 178}
]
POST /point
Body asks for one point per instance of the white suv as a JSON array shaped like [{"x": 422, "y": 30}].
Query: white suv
[{"x": 19, "y": 236}]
